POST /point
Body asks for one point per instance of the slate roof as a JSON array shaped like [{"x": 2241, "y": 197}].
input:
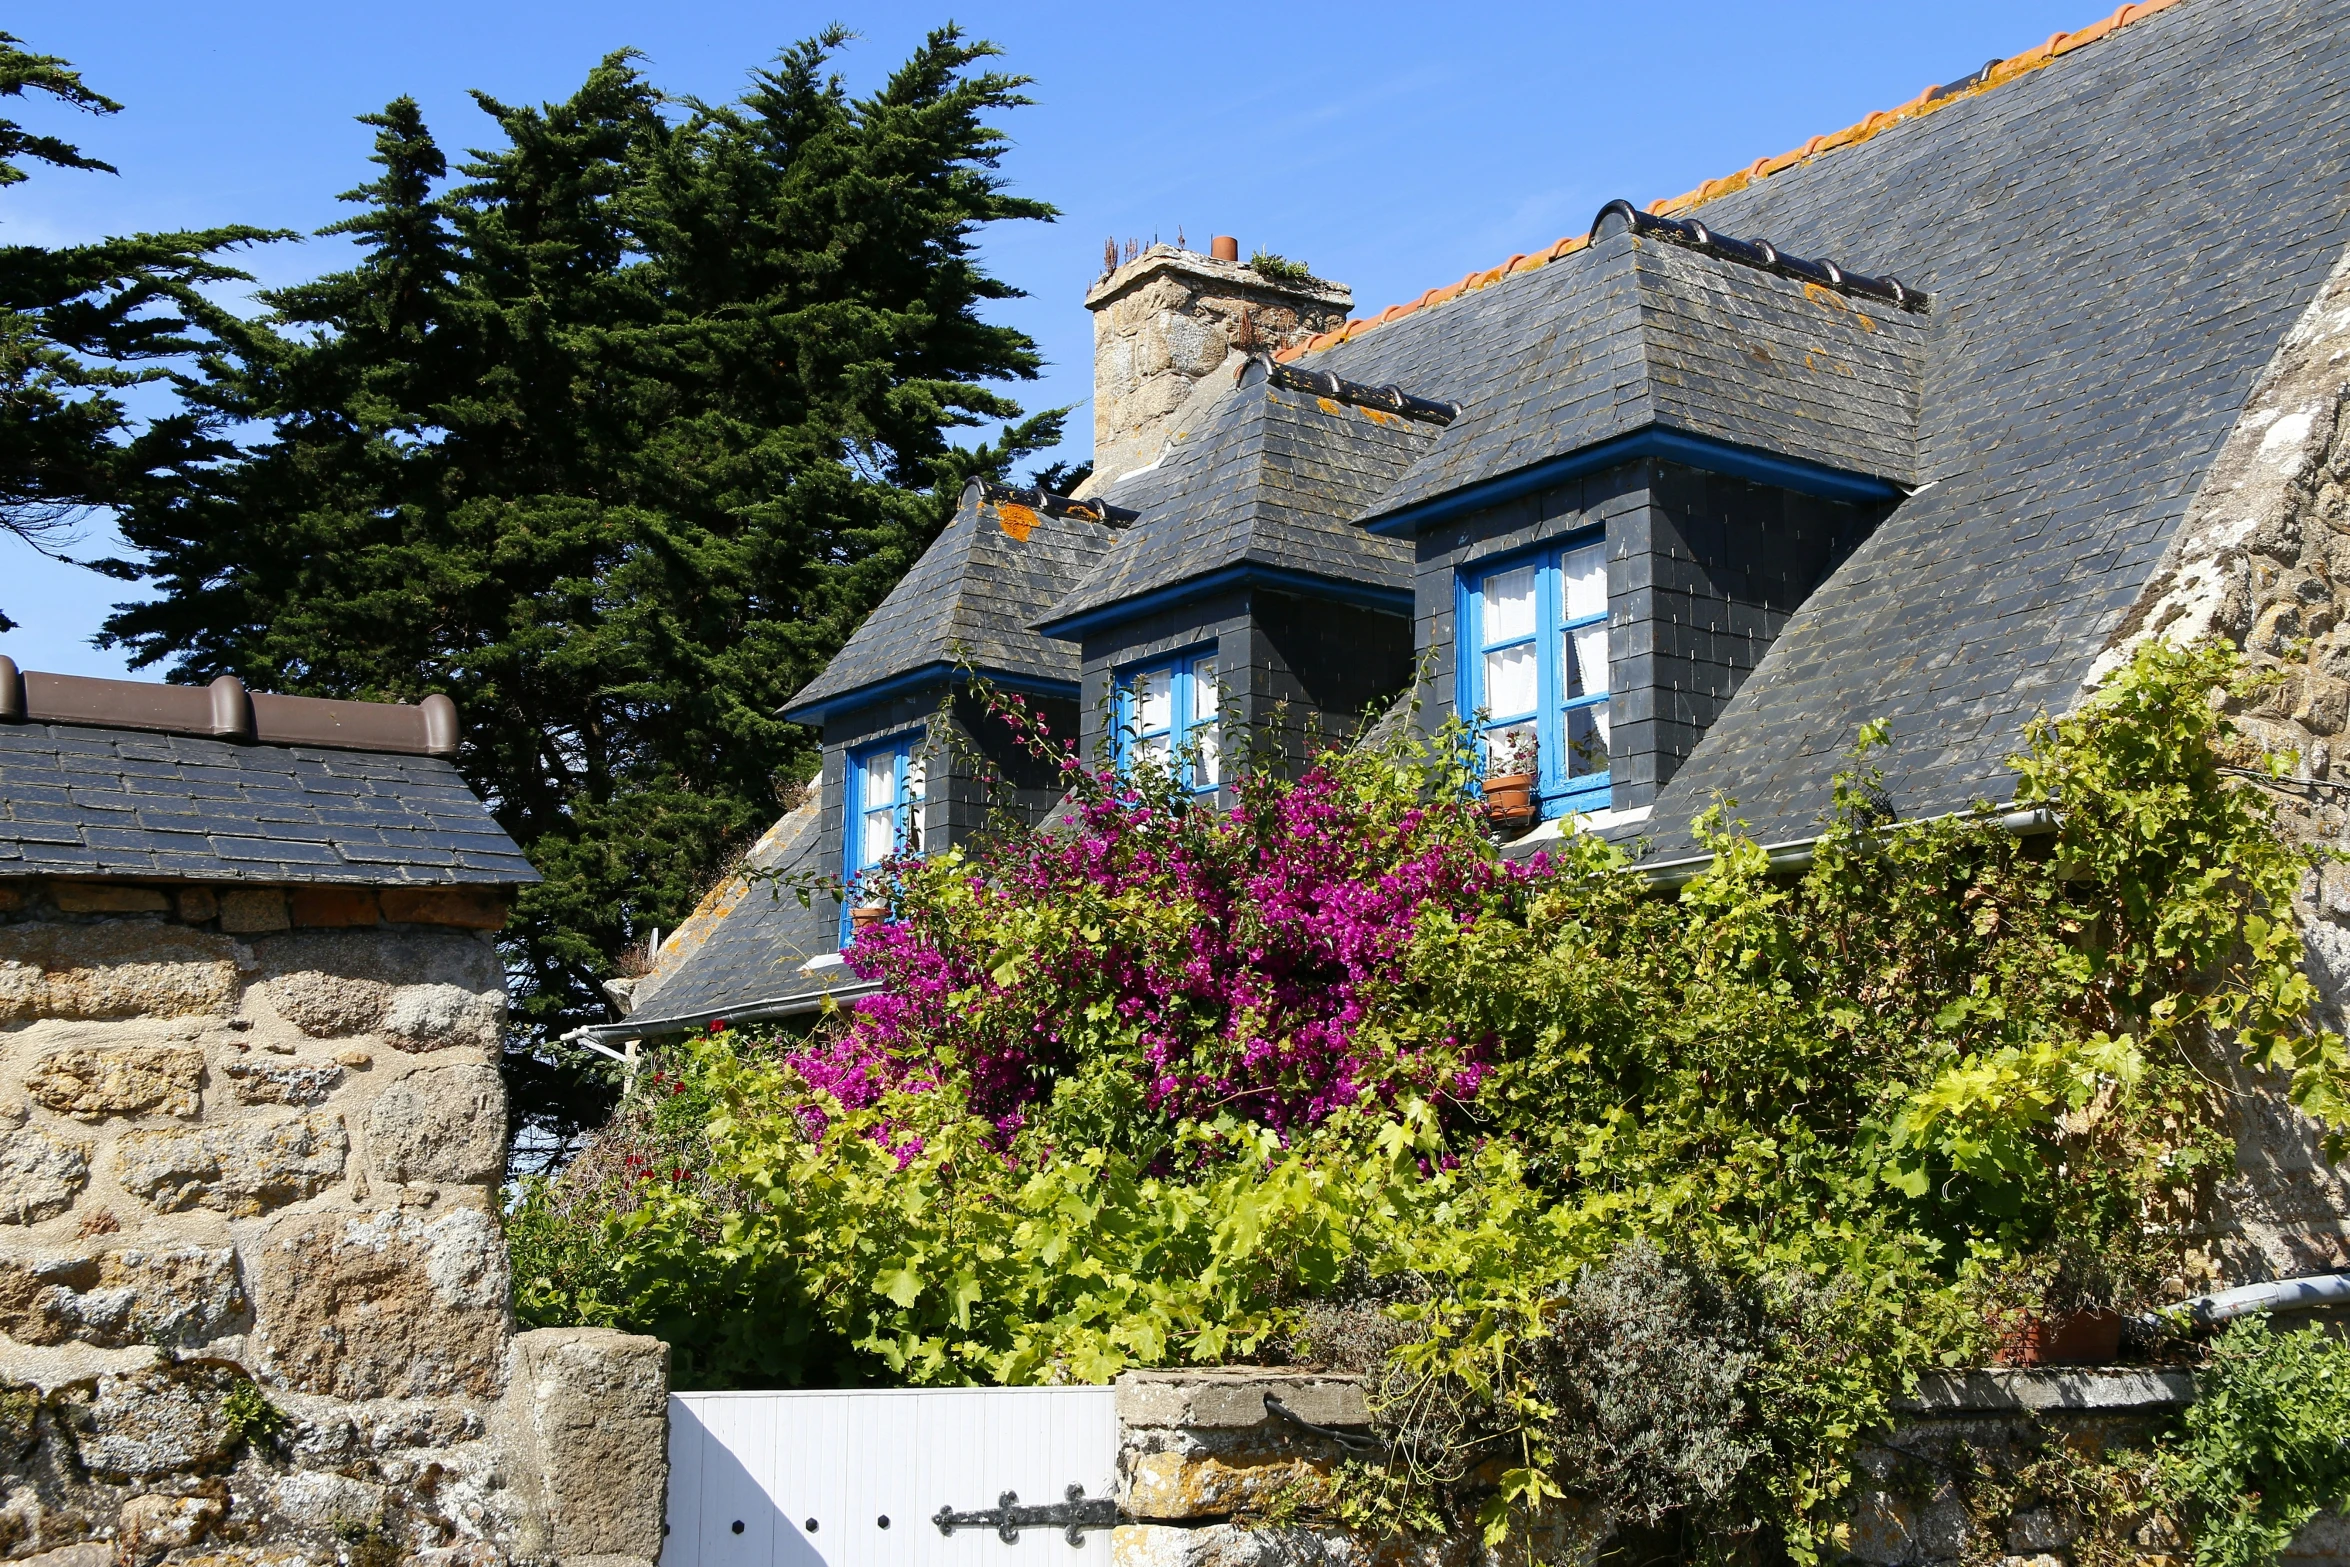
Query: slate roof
[
  {"x": 1640, "y": 332},
  {"x": 82, "y": 801},
  {"x": 1274, "y": 479},
  {"x": 745, "y": 944},
  {"x": 974, "y": 594},
  {"x": 2115, "y": 244}
]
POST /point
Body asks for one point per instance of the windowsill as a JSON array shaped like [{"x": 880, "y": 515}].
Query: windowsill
[
  {"x": 1558, "y": 827},
  {"x": 820, "y": 963}
]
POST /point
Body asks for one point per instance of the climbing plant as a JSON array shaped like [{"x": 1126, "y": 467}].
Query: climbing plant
[{"x": 1321, "y": 1075}]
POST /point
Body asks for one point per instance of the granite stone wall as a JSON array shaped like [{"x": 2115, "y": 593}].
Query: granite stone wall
[
  {"x": 1208, "y": 1469},
  {"x": 253, "y": 1289},
  {"x": 2263, "y": 559}
]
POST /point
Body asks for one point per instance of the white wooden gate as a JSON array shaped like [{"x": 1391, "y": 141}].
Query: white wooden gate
[{"x": 856, "y": 1479}]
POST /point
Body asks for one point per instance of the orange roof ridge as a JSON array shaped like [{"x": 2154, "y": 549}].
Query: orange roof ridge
[{"x": 1994, "y": 75}]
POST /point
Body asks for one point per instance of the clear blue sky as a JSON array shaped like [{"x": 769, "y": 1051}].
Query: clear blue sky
[{"x": 1392, "y": 147}]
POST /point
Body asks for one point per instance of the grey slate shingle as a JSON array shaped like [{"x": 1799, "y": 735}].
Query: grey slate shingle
[{"x": 85, "y": 801}]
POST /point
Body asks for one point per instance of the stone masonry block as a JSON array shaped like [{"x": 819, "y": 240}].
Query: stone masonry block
[
  {"x": 196, "y": 904},
  {"x": 39, "y": 1175},
  {"x": 119, "y": 969},
  {"x": 1235, "y": 1396},
  {"x": 334, "y": 908},
  {"x": 181, "y": 1295},
  {"x": 467, "y": 908},
  {"x": 424, "y": 989},
  {"x": 141, "y": 1426},
  {"x": 440, "y": 1123},
  {"x": 254, "y": 911},
  {"x": 586, "y": 1422},
  {"x": 259, "y": 1080},
  {"x": 436, "y": 1017},
  {"x": 380, "y": 1305},
  {"x": 91, "y": 1083},
  {"x": 82, "y": 897},
  {"x": 240, "y": 1169}
]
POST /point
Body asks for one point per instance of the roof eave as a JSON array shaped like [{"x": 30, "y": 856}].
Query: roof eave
[{"x": 1656, "y": 440}]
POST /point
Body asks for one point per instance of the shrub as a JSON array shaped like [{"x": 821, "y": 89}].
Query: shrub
[{"x": 2266, "y": 1443}]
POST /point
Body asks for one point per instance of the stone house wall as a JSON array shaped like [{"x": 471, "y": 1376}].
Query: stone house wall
[
  {"x": 250, "y": 1146},
  {"x": 2263, "y": 559}
]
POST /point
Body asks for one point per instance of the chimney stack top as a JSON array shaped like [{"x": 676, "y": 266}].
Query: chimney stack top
[{"x": 1224, "y": 247}]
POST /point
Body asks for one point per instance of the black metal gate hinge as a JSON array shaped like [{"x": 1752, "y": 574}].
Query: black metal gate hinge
[{"x": 1072, "y": 1516}]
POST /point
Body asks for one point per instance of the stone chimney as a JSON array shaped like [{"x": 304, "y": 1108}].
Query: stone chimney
[{"x": 1169, "y": 317}]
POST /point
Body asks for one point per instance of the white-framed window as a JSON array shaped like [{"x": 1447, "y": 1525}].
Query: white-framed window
[
  {"x": 1533, "y": 661},
  {"x": 887, "y": 784},
  {"x": 1167, "y": 711}
]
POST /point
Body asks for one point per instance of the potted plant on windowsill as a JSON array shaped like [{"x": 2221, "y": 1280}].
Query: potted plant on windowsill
[
  {"x": 864, "y": 916},
  {"x": 1510, "y": 773}
]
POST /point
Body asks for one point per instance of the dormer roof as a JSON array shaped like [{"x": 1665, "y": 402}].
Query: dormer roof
[
  {"x": 1269, "y": 488},
  {"x": 973, "y": 596}
]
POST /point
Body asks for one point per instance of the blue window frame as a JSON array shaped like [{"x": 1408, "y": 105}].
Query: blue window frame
[
  {"x": 1533, "y": 640},
  {"x": 1167, "y": 711},
  {"x": 886, "y": 787}
]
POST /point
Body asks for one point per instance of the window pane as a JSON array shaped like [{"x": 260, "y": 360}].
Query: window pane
[
  {"x": 1587, "y": 740},
  {"x": 1203, "y": 690},
  {"x": 1154, "y": 701},
  {"x": 1585, "y": 651},
  {"x": 1512, "y": 750},
  {"x": 1209, "y": 772},
  {"x": 1511, "y": 681},
  {"x": 1509, "y": 606},
  {"x": 878, "y": 837},
  {"x": 1158, "y": 748},
  {"x": 879, "y": 784},
  {"x": 917, "y": 777},
  {"x": 1583, "y": 581}
]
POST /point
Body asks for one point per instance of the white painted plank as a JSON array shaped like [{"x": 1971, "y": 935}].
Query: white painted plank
[{"x": 773, "y": 1461}]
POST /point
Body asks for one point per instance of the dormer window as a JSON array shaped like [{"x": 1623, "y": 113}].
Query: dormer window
[
  {"x": 1535, "y": 666},
  {"x": 886, "y": 785},
  {"x": 1167, "y": 712}
]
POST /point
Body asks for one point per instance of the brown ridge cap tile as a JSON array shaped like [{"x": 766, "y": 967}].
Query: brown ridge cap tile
[{"x": 1924, "y": 103}]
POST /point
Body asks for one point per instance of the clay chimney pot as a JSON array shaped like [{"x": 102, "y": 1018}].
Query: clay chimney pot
[{"x": 1224, "y": 248}]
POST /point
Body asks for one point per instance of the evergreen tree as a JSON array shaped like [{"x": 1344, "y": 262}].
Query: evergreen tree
[
  {"x": 614, "y": 442},
  {"x": 80, "y": 324}
]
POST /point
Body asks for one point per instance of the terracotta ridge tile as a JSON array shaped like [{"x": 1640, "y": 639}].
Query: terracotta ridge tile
[{"x": 1924, "y": 103}]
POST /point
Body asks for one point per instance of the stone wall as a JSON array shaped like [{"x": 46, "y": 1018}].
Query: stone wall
[
  {"x": 1205, "y": 1464},
  {"x": 253, "y": 1290},
  {"x": 2263, "y": 559},
  {"x": 1168, "y": 318}
]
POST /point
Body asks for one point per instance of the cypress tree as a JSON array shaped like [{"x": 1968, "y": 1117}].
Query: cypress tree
[
  {"x": 80, "y": 324},
  {"x": 614, "y": 442}
]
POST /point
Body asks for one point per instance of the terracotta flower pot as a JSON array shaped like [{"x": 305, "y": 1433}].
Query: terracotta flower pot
[
  {"x": 2066, "y": 1338},
  {"x": 865, "y": 916},
  {"x": 1509, "y": 797}
]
